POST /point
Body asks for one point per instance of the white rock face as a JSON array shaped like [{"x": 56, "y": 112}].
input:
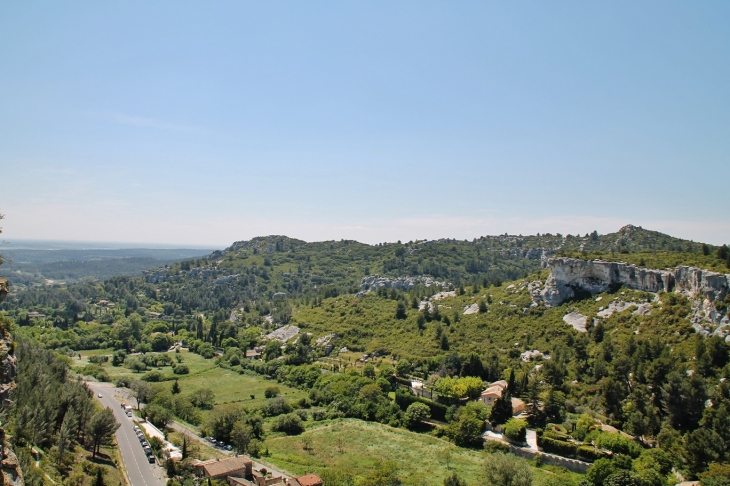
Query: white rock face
[
  {"x": 374, "y": 282},
  {"x": 577, "y": 320},
  {"x": 643, "y": 309},
  {"x": 619, "y": 307},
  {"x": 472, "y": 309},
  {"x": 569, "y": 277}
]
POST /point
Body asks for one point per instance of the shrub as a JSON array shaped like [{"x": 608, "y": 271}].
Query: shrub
[
  {"x": 255, "y": 447},
  {"x": 515, "y": 430},
  {"x": 289, "y": 423},
  {"x": 493, "y": 446},
  {"x": 416, "y": 413},
  {"x": 318, "y": 415},
  {"x": 618, "y": 444},
  {"x": 153, "y": 376},
  {"x": 206, "y": 350},
  {"x": 96, "y": 371},
  {"x": 507, "y": 469},
  {"x": 277, "y": 406},
  {"x": 558, "y": 447},
  {"x": 271, "y": 392},
  {"x": 589, "y": 453},
  {"x": 158, "y": 415},
  {"x": 98, "y": 359},
  {"x": 438, "y": 410},
  {"x": 181, "y": 369},
  {"x": 203, "y": 398}
]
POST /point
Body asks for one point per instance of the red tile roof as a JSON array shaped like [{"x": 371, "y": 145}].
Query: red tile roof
[{"x": 309, "y": 480}]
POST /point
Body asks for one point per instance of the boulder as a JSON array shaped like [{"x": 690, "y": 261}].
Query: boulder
[{"x": 577, "y": 320}]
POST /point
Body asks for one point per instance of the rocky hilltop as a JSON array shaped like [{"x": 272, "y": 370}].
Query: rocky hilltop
[{"x": 570, "y": 278}]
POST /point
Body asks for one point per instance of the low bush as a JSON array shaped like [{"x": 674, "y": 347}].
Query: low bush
[
  {"x": 181, "y": 369},
  {"x": 515, "y": 430},
  {"x": 289, "y": 423},
  {"x": 492, "y": 446},
  {"x": 153, "y": 376},
  {"x": 559, "y": 447},
  {"x": 589, "y": 453}
]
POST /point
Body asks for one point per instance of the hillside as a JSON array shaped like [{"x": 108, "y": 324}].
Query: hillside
[{"x": 625, "y": 345}]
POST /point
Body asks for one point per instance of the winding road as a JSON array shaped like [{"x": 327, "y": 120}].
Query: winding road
[{"x": 139, "y": 471}]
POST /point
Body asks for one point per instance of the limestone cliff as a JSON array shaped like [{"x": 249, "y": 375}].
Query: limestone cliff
[
  {"x": 570, "y": 278},
  {"x": 9, "y": 466}
]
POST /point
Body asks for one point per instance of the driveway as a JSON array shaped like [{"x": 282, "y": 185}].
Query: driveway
[{"x": 139, "y": 471}]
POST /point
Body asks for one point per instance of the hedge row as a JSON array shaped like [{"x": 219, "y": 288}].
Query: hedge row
[
  {"x": 558, "y": 447},
  {"x": 403, "y": 399},
  {"x": 589, "y": 453}
]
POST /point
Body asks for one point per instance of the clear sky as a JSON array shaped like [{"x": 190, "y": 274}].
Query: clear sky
[{"x": 209, "y": 122}]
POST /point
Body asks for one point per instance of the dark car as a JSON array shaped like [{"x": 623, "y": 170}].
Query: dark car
[{"x": 151, "y": 459}]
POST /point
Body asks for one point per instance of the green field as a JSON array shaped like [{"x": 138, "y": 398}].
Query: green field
[
  {"x": 228, "y": 385},
  {"x": 362, "y": 445}
]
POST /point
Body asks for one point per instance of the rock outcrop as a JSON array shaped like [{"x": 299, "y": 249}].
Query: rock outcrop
[
  {"x": 4, "y": 289},
  {"x": 577, "y": 320},
  {"x": 9, "y": 466},
  {"x": 570, "y": 278},
  {"x": 374, "y": 282}
]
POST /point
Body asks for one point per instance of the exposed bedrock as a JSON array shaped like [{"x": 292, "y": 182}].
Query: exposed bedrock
[{"x": 570, "y": 278}]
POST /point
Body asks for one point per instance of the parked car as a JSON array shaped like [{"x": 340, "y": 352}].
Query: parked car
[
  {"x": 229, "y": 448},
  {"x": 151, "y": 459},
  {"x": 101, "y": 396}
]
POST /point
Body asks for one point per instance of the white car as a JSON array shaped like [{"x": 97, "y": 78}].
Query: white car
[{"x": 101, "y": 396}]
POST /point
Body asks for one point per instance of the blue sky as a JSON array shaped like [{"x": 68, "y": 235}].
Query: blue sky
[{"x": 209, "y": 122}]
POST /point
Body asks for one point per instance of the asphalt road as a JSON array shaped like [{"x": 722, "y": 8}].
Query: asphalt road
[{"x": 139, "y": 471}]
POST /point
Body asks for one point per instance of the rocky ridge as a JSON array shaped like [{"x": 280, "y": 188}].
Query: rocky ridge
[{"x": 572, "y": 278}]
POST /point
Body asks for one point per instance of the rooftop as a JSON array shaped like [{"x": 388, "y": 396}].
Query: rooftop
[{"x": 220, "y": 467}]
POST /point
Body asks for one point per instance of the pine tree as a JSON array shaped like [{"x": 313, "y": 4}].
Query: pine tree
[
  {"x": 502, "y": 409},
  {"x": 101, "y": 428},
  {"x": 176, "y": 388},
  {"x": 99, "y": 480}
]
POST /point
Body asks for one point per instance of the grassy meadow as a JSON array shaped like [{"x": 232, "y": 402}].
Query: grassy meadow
[
  {"x": 228, "y": 385},
  {"x": 358, "y": 446}
]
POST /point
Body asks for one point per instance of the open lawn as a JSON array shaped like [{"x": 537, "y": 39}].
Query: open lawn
[
  {"x": 228, "y": 385},
  {"x": 358, "y": 446}
]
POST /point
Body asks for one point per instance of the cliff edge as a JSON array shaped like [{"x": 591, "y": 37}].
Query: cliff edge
[{"x": 11, "y": 473}]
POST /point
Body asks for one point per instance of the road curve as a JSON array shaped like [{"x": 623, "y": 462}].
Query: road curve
[{"x": 139, "y": 471}]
